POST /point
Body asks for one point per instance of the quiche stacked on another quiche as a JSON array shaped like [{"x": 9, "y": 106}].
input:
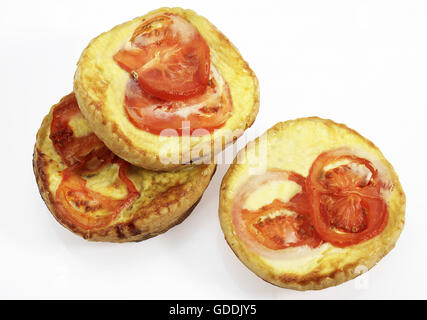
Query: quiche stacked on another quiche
[{"x": 128, "y": 154}]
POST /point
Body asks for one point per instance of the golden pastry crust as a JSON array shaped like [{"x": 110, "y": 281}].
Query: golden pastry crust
[
  {"x": 99, "y": 84},
  {"x": 165, "y": 200},
  {"x": 294, "y": 145}
]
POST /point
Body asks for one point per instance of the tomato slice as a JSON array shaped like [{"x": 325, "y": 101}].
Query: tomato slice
[
  {"x": 278, "y": 225},
  {"x": 173, "y": 85},
  {"x": 72, "y": 149},
  {"x": 169, "y": 56},
  {"x": 345, "y": 194},
  {"x": 208, "y": 111},
  {"x": 84, "y": 155},
  {"x": 281, "y": 231},
  {"x": 88, "y": 209}
]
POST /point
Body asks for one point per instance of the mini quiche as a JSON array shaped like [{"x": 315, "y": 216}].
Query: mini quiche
[
  {"x": 311, "y": 204},
  {"x": 101, "y": 197},
  {"x": 166, "y": 90}
]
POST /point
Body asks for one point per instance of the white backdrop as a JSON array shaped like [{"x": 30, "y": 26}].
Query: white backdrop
[{"x": 363, "y": 63}]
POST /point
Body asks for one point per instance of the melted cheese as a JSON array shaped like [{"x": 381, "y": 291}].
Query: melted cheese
[
  {"x": 107, "y": 182},
  {"x": 213, "y": 99},
  {"x": 298, "y": 259},
  {"x": 79, "y": 126},
  {"x": 283, "y": 190},
  {"x": 183, "y": 28}
]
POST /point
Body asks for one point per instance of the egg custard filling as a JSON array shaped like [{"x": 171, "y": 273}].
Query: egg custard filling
[
  {"x": 172, "y": 83},
  {"x": 86, "y": 156},
  {"x": 342, "y": 202}
]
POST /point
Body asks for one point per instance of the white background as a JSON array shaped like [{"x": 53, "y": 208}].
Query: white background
[{"x": 363, "y": 63}]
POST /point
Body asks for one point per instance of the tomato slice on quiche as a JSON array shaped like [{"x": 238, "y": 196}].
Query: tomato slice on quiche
[
  {"x": 172, "y": 84},
  {"x": 340, "y": 202},
  {"x": 85, "y": 155},
  {"x": 208, "y": 111},
  {"x": 169, "y": 56},
  {"x": 278, "y": 225},
  {"x": 346, "y": 197},
  {"x": 89, "y": 209},
  {"x": 71, "y": 148}
]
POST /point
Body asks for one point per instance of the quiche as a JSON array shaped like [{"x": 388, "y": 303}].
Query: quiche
[
  {"x": 98, "y": 195},
  {"x": 311, "y": 204},
  {"x": 166, "y": 90}
]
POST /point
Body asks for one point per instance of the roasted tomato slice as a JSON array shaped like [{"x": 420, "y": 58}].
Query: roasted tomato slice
[
  {"x": 169, "y": 56},
  {"x": 281, "y": 225},
  {"x": 72, "y": 149},
  {"x": 85, "y": 155},
  {"x": 278, "y": 225},
  {"x": 86, "y": 208},
  {"x": 346, "y": 198},
  {"x": 207, "y": 111}
]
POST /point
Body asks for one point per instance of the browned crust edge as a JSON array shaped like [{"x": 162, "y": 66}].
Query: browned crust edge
[{"x": 313, "y": 280}]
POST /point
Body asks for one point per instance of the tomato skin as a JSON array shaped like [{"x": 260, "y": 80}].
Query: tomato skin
[
  {"x": 368, "y": 195},
  {"x": 268, "y": 237},
  {"x": 170, "y": 57}
]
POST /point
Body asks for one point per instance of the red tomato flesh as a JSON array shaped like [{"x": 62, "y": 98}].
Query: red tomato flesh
[
  {"x": 346, "y": 201},
  {"x": 208, "y": 111},
  {"x": 82, "y": 206},
  {"x": 170, "y": 57},
  {"x": 72, "y": 149},
  {"x": 278, "y": 225},
  {"x": 173, "y": 85}
]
